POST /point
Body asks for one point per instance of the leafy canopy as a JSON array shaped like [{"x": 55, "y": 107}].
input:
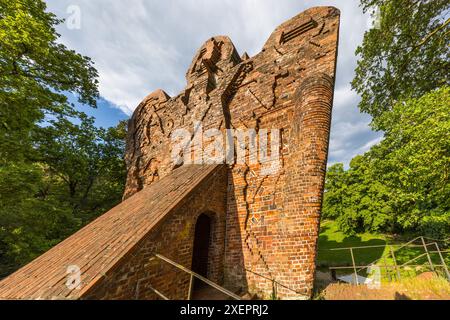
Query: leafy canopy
[
  {"x": 78, "y": 173},
  {"x": 35, "y": 72},
  {"x": 406, "y": 57},
  {"x": 57, "y": 170},
  {"x": 401, "y": 184}
]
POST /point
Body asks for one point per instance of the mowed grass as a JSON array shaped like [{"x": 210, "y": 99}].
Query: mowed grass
[{"x": 331, "y": 238}]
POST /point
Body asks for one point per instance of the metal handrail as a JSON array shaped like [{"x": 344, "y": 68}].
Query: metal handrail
[
  {"x": 388, "y": 266},
  {"x": 419, "y": 256},
  {"x": 438, "y": 240},
  {"x": 196, "y": 275},
  {"x": 392, "y": 251},
  {"x": 378, "y": 246},
  {"x": 158, "y": 293},
  {"x": 274, "y": 282},
  {"x": 381, "y": 246}
]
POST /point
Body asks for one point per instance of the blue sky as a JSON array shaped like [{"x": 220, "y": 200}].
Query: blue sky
[
  {"x": 142, "y": 45},
  {"x": 107, "y": 114}
]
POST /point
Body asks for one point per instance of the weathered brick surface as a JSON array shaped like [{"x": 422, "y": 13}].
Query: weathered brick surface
[
  {"x": 133, "y": 278},
  {"x": 272, "y": 220},
  {"x": 265, "y": 226}
]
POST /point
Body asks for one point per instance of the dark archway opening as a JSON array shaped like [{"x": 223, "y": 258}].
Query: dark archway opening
[{"x": 201, "y": 248}]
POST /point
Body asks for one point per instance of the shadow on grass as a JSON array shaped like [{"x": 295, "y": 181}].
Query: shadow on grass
[{"x": 331, "y": 238}]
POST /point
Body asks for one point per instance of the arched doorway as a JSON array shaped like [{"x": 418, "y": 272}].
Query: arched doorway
[{"x": 201, "y": 247}]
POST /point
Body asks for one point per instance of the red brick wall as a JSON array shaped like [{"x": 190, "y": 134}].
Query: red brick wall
[
  {"x": 272, "y": 221},
  {"x": 173, "y": 239}
]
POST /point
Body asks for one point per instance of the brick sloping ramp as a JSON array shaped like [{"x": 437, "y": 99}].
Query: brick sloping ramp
[{"x": 101, "y": 245}]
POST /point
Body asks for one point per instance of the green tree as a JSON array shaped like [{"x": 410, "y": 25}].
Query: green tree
[
  {"x": 57, "y": 170},
  {"x": 30, "y": 223},
  {"x": 35, "y": 72},
  {"x": 356, "y": 200},
  {"x": 413, "y": 161},
  {"x": 85, "y": 161},
  {"x": 402, "y": 183},
  {"x": 78, "y": 173},
  {"x": 335, "y": 185},
  {"x": 406, "y": 57}
]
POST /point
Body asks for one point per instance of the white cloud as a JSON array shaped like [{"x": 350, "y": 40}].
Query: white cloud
[{"x": 142, "y": 45}]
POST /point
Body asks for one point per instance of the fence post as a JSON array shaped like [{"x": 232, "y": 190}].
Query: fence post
[
  {"x": 428, "y": 255},
  {"x": 274, "y": 290},
  {"x": 386, "y": 270},
  {"x": 333, "y": 274},
  {"x": 395, "y": 263},
  {"x": 191, "y": 285},
  {"x": 354, "y": 266},
  {"x": 443, "y": 261}
]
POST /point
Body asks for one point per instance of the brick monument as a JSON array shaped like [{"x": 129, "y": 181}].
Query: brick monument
[{"x": 251, "y": 226}]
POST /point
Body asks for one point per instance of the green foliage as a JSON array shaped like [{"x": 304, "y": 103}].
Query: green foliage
[
  {"x": 406, "y": 57},
  {"x": 435, "y": 225},
  {"x": 77, "y": 175},
  {"x": 29, "y": 223},
  {"x": 57, "y": 170},
  {"x": 401, "y": 184},
  {"x": 355, "y": 200},
  {"x": 414, "y": 159},
  {"x": 35, "y": 71},
  {"x": 87, "y": 163}
]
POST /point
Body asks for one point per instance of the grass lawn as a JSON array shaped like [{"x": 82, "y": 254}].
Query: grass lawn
[{"x": 330, "y": 238}]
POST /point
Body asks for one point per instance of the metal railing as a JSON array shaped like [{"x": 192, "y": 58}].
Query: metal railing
[
  {"x": 396, "y": 266},
  {"x": 275, "y": 285},
  {"x": 191, "y": 280}
]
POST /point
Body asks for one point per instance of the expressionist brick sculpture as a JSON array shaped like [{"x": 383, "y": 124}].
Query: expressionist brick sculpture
[{"x": 262, "y": 225}]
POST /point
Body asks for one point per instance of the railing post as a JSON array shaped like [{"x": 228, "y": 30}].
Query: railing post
[
  {"x": 274, "y": 289},
  {"x": 443, "y": 261},
  {"x": 333, "y": 274},
  {"x": 136, "y": 296},
  {"x": 193, "y": 274},
  {"x": 388, "y": 274},
  {"x": 428, "y": 255},
  {"x": 354, "y": 266},
  {"x": 191, "y": 286},
  {"x": 395, "y": 263}
]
